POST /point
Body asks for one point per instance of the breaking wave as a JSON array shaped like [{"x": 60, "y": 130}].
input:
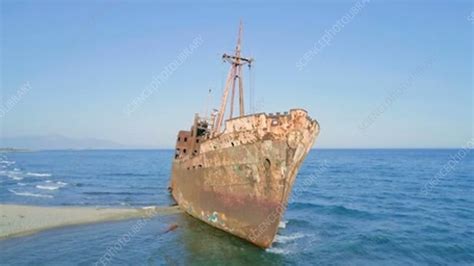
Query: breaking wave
[
  {"x": 38, "y": 174},
  {"x": 282, "y": 224},
  {"x": 286, "y": 244},
  {"x": 28, "y": 194},
  {"x": 50, "y": 185},
  {"x": 15, "y": 177},
  {"x": 47, "y": 187},
  {"x": 284, "y": 239},
  {"x": 282, "y": 251}
]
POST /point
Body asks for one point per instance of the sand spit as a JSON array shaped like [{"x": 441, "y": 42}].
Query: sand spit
[{"x": 20, "y": 220}]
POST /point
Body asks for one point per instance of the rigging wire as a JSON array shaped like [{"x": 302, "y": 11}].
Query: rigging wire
[
  {"x": 251, "y": 92},
  {"x": 223, "y": 76}
]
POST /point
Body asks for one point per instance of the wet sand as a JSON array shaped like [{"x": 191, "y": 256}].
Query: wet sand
[{"x": 21, "y": 220}]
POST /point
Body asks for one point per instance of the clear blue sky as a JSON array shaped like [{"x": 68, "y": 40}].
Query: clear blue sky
[{"x": 86, "y": 61}]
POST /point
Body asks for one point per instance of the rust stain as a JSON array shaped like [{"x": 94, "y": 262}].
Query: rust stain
[{"x": 242, "y": 176}]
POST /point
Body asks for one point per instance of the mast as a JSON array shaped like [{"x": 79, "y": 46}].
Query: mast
[{"x": 235, "y": 74}]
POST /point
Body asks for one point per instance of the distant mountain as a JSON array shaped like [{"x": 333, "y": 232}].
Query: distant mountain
[{"x": 56, "y": 142}]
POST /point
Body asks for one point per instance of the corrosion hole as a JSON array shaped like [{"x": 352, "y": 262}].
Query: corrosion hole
[
  {"x": 232, "y": 144},
  {"x": 267, "y": 163}
]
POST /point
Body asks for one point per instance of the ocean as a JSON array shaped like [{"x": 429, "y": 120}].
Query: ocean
[{"x": 348, "y": 207}]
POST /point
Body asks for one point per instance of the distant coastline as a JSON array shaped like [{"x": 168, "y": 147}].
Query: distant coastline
[{"x": 4, "y": 150}]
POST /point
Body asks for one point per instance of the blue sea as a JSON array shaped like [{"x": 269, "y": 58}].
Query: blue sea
[{"x": 349, "y": 207}]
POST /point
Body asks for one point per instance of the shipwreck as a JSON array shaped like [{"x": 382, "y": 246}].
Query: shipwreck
[{"x": 236, "y": 174}]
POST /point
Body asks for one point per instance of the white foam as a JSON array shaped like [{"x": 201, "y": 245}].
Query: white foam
[
  {"x": 289, "y": 238},
  {"x": 38, "y": 174},
  {"x": 21, "y": 184},
  {"x": 14, "y": 175},
  {"x": 278, "y": 250},
  {"x": 47, "y": 187},
  {"x": 28, "y": 194},
  {"x": 62, "y": 184},
  {"x": 282, "y": 224},
  {"x": 7, "y": 162}
]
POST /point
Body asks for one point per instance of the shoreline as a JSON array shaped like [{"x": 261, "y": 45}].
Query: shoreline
[{"x": 22, "y": 220}]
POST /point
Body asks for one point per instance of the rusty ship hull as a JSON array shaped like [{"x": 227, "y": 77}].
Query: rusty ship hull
[{"x": 240, "y": 180}]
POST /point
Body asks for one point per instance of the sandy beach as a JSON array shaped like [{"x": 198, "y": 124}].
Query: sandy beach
[{"x": 20, "y": 220}]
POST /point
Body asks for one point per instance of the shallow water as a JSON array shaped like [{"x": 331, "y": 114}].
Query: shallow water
[{"x": 354, "y": 207}]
